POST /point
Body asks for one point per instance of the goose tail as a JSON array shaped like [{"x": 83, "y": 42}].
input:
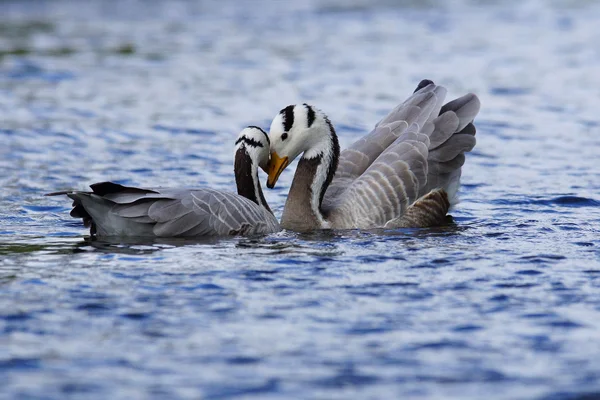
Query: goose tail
[
  {"x": 453, "y": 136},
  {"x": 78, "y": 210}
]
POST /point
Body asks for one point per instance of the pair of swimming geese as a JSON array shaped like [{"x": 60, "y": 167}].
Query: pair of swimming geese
[{"x": 405, "y": 173}]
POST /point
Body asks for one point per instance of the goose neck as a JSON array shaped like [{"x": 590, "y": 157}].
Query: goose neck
[
  {"x": 313, "y": 175},
  {"x": 246, "y": 179}
]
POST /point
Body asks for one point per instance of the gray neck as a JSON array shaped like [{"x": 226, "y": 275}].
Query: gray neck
[
  {"x": 246, "y": 178},
  {"x": 299, "y": 213}
]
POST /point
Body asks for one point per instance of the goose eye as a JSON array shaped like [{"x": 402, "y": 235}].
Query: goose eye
[{"x": 284, "y": 135}]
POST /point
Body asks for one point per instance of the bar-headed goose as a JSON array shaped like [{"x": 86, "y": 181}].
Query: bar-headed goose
[
  {"x": 111, "y": 209},
  {"x": 405, "y": 173}
]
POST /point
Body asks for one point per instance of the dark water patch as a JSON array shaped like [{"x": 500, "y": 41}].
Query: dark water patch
[
  {"x": 389, "y": 285},
  {"x": 499, "y": 298},
  {"x": 82, "y": 113},
  {"x": 379, "y": 259},
  {"x": 32, "y": 71},
  {"x": 568, "y": 226},
  {"x": 541, "y": 258},
  {"x": 559, "y": 287},
  {"x": 19, "y": 363},
  {"x": 260, "y": 275},
  {"x": 565, "y": 324},
  {"x": 510, "y": 91},
  {"x": 419, "y": 295},
  {"x": 136, "y": 315},
  {"x": 241, "y": 390},
  {"x": 467, "y": 328},
  {"x": 539, "y": 315},
  {"x": 143, "y": 171},
  {"x": 22, "y": 51},
  {"x": 243, "y": 360},
  {"x": 572, "y": 395},
  {"x": 574, "y": 201},
  {"x": 34, "y": 281},
  {"x": 74, "y": 388},
  {"x": 515, "y": 285},
  {"x": 36, "y": 208},
  {"x": 560, "y": 201},
  {"x": 363, "y": 293},
  {"x": 95, "y": 308},
  {"x": 530, "y": 272},
  {"x": 16, "y": 317},
  {"x": 485, "y": 375},
  {"x": 345, "y": 378},
  {"x": 495, "y": 234},
  {"x": 25, "y": 28},
  {"x": 271, "y": 315},
  {"x": 441, "y": 345},
  {"x": 553, "y": 108},
  {"x": 543, "y": 343},
  {"x": 590, "y": 123},
  {"x": 436, "y": 263},
  {"x": 124, "y": 49},
  {"x": 462, "y": 286},
  {"x": 181, "y": 130},
  {"x": 18, "y": 248}
]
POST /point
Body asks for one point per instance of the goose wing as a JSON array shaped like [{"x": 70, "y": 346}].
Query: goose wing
[
  {"x": 388, "y": 186},
  {"x": 415, "y": 112},
  {"x": 422, "y": 163},
  {"x": 116, "y": 210}
]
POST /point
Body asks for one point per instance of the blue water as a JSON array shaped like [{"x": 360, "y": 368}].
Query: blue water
[{"x": 503, "y": 304}]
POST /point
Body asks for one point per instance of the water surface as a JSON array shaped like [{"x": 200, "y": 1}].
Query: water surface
[{"x": 505, "y": 303}]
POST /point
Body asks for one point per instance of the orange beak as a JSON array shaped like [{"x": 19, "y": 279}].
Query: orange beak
[{"x": 275, "y": 168}]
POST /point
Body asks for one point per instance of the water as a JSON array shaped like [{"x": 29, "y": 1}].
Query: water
[{"x": 503, "y": 304}]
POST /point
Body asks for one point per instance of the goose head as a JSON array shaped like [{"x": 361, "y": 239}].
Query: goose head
[
  {"x": 251, "y": 152},
  {"x": 298, "y": 129},
  {"x": 253, "y": 143}
]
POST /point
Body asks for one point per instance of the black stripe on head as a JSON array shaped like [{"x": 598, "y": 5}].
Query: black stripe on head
[
  {"x": 310, "y": 115},
  {"x": 250, "y": 142},
  {"x": 263, "y": 132},
  {"x": 335, "y": 149},
  {"x": 288, "y": 118}
]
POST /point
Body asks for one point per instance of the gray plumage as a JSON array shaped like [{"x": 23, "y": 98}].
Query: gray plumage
[
  {"x": 416, "y": 150},
  {"x": 127, "y": 211}
]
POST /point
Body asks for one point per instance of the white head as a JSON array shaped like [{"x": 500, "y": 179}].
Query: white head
[
  {"x": 255, "y": 142},
  {"x": 298, "y": 129}
]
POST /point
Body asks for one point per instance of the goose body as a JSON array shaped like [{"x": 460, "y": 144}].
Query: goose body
[
  {"x": 405, "y": 173},
  {"x": 111, "y": 209}
]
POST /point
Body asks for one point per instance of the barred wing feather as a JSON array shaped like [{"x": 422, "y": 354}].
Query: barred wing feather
[{"x": 118, "y": 210}]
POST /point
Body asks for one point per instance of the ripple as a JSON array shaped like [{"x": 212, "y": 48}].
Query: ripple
[
  {"x": 510, "y": 91},
  {"x": 180, "y": 130},
  {"x": 346, "y": 378},
  {"x": 503, "y": 301}
]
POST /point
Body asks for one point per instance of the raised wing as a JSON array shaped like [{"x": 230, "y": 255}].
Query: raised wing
[
  {"x": 387, "y": 171},
  {"x": 415, "y": 113},
  {"x": 387, "y": 187}
]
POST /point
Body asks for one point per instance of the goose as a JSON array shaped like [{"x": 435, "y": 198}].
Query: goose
[
  {"x": 111, "y": 209},
  {"x": 404, "y": 173}
]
